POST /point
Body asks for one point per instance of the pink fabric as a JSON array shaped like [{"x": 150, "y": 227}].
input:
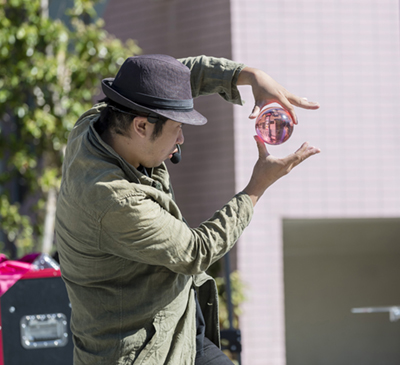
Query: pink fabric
[{"x": 11, "y": 271}]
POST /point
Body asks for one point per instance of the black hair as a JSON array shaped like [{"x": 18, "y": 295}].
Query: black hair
[{"x": 117, "y": 118}]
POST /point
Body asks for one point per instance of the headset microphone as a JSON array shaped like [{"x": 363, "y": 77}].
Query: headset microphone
[{"x": 176, "y": 157}]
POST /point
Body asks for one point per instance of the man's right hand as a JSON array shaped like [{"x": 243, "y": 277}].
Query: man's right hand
[{"x": 269, "y": 169}]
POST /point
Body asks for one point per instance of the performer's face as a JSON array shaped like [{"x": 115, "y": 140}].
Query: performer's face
[{"x": 163, "y": 146}]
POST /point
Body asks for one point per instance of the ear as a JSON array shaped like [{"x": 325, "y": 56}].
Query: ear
[{"x": 140, "y": 126}]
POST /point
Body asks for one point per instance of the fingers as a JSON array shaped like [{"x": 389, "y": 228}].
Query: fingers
[
  {"x": 307, "y": 149},
  {"x": 254, "y": 113},
  {"x": 283, "y": 102},
  {"x": 269, "y": 169},
  {"x": 304, "y": 152},
  {"x": 289, "y": 107},
  {"x": 303, "y": 102},
  {"x": 262, "y": 148},
  {"x": 287, "y": 103}
]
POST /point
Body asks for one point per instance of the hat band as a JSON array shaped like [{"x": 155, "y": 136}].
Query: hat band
[{"x": 151, "y": 101}]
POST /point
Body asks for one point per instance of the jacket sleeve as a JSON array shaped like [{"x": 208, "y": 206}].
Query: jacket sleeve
[
  {"x": 140, "y": 229},
  {"x": 211, "y": 75}
]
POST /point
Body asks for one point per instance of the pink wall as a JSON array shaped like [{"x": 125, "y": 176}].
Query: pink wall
[{"x": 345, "y": 55}]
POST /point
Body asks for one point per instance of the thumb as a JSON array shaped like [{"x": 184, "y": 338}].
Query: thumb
[
  {"x": 255, "y": 112},
  {"x": 262, "y": 148}
]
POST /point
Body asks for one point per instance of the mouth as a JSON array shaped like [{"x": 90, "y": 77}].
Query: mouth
[{"x": 172, "y": 153}]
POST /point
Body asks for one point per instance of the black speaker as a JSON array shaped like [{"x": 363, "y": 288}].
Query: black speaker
[{"x": 35, "y": 321}]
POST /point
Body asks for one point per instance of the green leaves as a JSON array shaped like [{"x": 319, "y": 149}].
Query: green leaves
[
  {"x": 238, "y": 297},
  {"x": 50, "y": 74},
  {"x": 14, "y": 225}
]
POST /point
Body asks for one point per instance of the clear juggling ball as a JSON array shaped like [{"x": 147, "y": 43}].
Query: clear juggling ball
[{"x": 274, "y": 125}]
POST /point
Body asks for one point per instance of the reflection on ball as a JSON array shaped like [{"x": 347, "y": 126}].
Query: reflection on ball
[{"x": 274, "y": 125}]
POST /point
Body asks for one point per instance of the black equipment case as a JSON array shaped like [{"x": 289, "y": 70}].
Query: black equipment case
[{"x": 35, "y": 321}]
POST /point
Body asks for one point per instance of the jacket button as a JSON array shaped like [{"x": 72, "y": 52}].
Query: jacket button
[{"x": 157, "y": 185}]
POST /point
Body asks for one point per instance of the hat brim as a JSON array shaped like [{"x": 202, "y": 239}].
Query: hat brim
[{"x": 191, "y": 117}]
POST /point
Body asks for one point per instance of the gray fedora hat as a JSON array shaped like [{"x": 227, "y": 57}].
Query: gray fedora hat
[{"x": 154, "y": 84}]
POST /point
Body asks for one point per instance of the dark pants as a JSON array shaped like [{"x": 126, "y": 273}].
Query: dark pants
[{"x": 212, "y": 355}]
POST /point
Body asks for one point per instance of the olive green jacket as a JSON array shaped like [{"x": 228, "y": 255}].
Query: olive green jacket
[{"x": 127, "y": 257}]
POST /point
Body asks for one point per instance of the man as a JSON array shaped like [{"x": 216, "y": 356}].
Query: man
[{"x": 134, "y": 270}]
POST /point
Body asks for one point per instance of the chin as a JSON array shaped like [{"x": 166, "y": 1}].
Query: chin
[{"x": 155, "y": 164}]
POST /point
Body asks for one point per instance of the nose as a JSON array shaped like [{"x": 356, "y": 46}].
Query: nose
[{"x": 180, "y": 138}]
